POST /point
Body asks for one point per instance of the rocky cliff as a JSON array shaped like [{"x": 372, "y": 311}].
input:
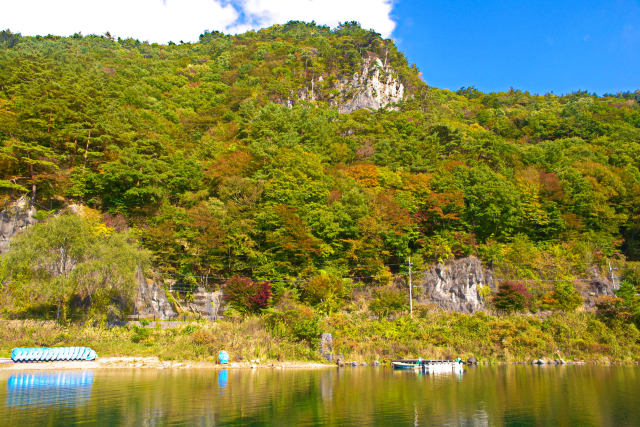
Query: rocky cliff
[
  {"x": 456, "y": 285},
  {"x": 206, "y": 303},
  {"x": 597, "y": 285},
  {"x": 463, "y": 284},
  {"x": 14, "y": 219},
  {"x": 375, "y": 86},
  {"x": 151, "y": 299}
]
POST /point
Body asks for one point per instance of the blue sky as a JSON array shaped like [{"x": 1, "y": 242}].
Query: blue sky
[
  {"x": 540, "y": 46},
  {"x": 536, "y": 45}
]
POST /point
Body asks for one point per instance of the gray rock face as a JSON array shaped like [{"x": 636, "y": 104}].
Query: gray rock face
[
  {"x": 207, "y": 304},
  {"x": 375, "y": 86},
  {"x": 455, "y": 285},
  {"x": 151, "y": 299},
  {"x": 15, "y": 219},
  {"x": 326, "y": 346},
  {"x": 596, "y": 286}
]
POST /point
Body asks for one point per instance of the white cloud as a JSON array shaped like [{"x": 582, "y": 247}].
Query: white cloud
[
  {"x": 174, "y": 20},
  {"x": 152, "y": 20},
  {"x": 372, "y": 14}
]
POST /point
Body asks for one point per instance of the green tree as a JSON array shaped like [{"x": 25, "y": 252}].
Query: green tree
[
  {"x": 34, "y": 162},
  {"x": 69, "y": 257}
]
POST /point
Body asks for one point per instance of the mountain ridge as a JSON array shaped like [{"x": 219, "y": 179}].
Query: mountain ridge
[{"x": 250, "y": 156}]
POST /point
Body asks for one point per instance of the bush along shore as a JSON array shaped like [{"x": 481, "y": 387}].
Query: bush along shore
[{"x": 570, "y": 337}]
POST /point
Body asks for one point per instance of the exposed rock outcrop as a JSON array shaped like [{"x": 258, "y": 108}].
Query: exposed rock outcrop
[
  {"x": 207, "y": 304},
  {"x": 375, "y": 86},
  {"x": 326, "y": 346},
  {"x": 597, "y": 285},
  {"x": 456, "y": 285},
  {"x": 15, "y": 219},
  {"x": 151, "y": 299}
]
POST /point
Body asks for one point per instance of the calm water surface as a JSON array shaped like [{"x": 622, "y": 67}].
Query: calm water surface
[{"x": 500, "y": 396}]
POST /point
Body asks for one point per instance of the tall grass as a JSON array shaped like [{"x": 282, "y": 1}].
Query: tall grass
[
  {"x": 436, "y": 334},
  {"x": 357, "y": 335},
  {"x": 244, "y": 340}
]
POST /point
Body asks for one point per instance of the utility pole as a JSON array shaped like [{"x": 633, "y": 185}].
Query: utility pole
[{"x": 410, "y": 290}]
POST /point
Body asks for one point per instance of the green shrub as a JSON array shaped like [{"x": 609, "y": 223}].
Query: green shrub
[
  {"x": 566, "y": 296},
  {"x": 325, "y": 292},
  {"x": 141, "y": 334},
  {"x": 625, "y": 306},
  {"x": 612, "y": 308},
  {"x": 299, "y": 323},
  {"x": 388, "y": 301}
]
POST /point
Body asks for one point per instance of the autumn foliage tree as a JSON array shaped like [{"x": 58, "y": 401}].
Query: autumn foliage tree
[
  {"x": 245, "y": 295},
  {"x": 511, "y": 297}
]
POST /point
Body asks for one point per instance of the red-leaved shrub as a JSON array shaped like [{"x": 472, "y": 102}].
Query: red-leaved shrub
[
  {"x": 512, "y": 296},
  {"x": 245, "y": 295}
]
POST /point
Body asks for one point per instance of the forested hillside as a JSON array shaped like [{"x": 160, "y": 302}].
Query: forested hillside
[{"x": 217, "y": 158}]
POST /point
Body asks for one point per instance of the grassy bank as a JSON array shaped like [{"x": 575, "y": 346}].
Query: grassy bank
[
  {"x": 571, "y": 336},
  {"x": 247, "y": 339}
]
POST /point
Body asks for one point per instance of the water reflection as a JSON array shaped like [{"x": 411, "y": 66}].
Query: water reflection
[
  {"x": 446, "y": 375},
  {"x": 223, "y": 378},
  {"x": 49, "y": 388},
  {"x": 483, "y": 396}
]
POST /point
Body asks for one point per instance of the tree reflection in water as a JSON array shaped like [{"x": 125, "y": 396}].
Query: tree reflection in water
[{"x": 501, "y": 396}]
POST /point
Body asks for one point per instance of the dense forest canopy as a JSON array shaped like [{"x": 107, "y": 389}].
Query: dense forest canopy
[{"x": 206, "y": 151}]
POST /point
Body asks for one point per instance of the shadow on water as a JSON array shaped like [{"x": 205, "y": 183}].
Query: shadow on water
[{"x": 483, "y": 396}]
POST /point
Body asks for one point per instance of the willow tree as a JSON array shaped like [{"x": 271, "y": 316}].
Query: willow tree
[{"x": 67, "y": 259}]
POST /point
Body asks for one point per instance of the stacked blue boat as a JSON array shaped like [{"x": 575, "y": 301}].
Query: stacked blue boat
[{"x": 26, "y": 354}]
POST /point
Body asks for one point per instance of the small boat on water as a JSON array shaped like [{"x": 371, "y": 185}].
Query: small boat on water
[
  {"x": 406, "y": 365},
  {"x": 428, "y": 365}
]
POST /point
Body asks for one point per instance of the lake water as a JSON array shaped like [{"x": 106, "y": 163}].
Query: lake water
[{"x": 482, "y": 396}]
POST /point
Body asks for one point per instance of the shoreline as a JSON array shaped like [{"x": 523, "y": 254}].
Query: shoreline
[
  {"x": 489, "y": 340},
  {"x": 152, "y": 362}
]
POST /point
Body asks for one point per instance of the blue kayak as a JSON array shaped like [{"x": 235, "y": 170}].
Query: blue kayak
[{"x": 44, "y": 354}]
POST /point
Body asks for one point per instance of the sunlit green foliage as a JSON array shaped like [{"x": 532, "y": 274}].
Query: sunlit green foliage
[
  {"x": 70, "y": 266},
  {"x": 211, "y": 155},
  {"x": 388, "y": 301}
]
